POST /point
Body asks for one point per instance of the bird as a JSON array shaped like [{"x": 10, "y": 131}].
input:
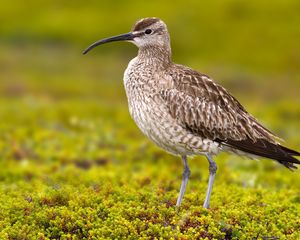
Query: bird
[{"x": 187, "y": 113}]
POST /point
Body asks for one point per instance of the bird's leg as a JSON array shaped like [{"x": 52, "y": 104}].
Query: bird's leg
[
  {"x": 185, "y": 177},
  {"x": 212, "y": 172}
]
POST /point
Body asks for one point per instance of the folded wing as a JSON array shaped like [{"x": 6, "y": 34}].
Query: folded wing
[{"x": 205, "y": 108}]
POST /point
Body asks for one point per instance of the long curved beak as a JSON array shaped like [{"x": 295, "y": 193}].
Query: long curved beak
[{"x": 122, "y": 37}]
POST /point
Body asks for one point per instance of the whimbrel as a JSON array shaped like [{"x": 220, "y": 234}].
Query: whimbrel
[{"x": 184, "y": 111}]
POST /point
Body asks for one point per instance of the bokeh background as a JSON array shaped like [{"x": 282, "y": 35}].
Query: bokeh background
[{"x": 66, "y": 134}]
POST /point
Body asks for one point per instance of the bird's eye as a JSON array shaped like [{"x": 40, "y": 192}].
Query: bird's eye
[{"x": 148, "y": 31}]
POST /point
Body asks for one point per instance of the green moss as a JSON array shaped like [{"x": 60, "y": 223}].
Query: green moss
[
  {"x": 69, "y": 183},
  {"x": 63, "y": 179}
]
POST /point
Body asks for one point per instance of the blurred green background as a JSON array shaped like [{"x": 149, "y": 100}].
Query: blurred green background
[
  {"x": 65, "y": 128},
  {"x": 246, "y": 46}
]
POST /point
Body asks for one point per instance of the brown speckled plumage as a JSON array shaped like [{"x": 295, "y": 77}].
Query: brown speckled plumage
[{"x": 186, "y": 112}]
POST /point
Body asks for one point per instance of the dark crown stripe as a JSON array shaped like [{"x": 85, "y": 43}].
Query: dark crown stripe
[{"x": 143, "y": 23}]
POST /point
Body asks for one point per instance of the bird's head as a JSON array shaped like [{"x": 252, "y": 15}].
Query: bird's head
[{"x": 147, "y": 32}]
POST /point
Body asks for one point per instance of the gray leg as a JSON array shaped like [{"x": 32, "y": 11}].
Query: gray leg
[
  {"x": 185, "y": 177},
  {"x": 212, "y": 173}
]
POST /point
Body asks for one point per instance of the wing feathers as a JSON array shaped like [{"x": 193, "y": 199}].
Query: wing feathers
[{"x": 209, "y": 111}]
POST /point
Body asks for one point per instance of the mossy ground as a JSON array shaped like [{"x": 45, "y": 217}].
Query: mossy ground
[
  {"x": 87, "y": 173},
  {"x": 73, "y": 165}
]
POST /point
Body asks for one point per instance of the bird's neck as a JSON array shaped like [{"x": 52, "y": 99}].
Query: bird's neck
[{"x": 159, "y": 55}]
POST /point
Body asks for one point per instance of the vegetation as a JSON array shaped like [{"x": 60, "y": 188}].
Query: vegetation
[{"x": 74, "y": 166}]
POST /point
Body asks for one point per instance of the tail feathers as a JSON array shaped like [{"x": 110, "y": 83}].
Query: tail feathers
[{"x": 263, "y": 148}]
